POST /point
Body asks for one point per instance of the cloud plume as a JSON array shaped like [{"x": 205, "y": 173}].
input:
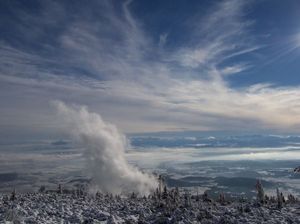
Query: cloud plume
[{"x": 104, "y": 150}]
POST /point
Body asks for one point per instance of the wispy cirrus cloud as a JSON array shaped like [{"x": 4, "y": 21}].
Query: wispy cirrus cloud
[
  {"x": 222, "y": 33},
  {"x": 103, "y": 57}
]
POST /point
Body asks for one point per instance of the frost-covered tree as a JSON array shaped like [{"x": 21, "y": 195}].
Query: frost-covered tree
[
  {"x": 165, "y": 193},
  {"x": 222, "y": 199},
  {"x": 161, "y": 183},
  {"x": 279, "y": 199},
  {"x": 292, "y": 198},
  {"x": 133, "y": 195},
  {"x": 297, "y": 169},
  {"x": 59, "y": 189},
  {"x": 187, "y": 199},
  {"x": 205, "y": 197},
  {"x": 174, "y": 194},
  {"x": 42, "y": 189},
  {"x": 13, "y": 195},
  {"x": 260, "y": 192}
]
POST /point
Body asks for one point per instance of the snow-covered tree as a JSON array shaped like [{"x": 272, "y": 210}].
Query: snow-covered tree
[
  {"x": 165, "y": 193},
  {"x": 222, "y": 199},
  {"x": 260, "y": 192},
  {"x": 13, "y": 195},
  {"x": 59, "y": 189},
  {"x": 42, "y": 189},
  {"x": 279, "y": 199},
  {"x": 297, "y": 169}
]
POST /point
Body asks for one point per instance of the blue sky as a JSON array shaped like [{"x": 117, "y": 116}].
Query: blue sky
[{"x": 150, "y": 66}]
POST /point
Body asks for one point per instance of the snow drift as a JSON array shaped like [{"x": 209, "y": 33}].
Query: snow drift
[{"x": 104, "y": 151}]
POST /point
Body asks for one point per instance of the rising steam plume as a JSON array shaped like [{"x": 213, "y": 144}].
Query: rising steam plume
[{"x": 104, "y": 151}]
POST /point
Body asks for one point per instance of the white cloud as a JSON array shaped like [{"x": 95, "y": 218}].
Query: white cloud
[
  {"x": 104, "y": 151},
  {"x": 140, "y": 86},
  {"x": 229, "y": 70}
]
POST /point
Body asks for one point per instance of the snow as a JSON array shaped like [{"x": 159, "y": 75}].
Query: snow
[{"x": 164, "y": 208}]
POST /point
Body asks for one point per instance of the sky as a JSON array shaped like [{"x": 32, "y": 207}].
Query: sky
[{"x": 151, "y": 66}]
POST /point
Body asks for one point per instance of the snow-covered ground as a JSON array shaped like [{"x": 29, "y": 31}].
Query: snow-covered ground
[{"x": 183, "y": 208}]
